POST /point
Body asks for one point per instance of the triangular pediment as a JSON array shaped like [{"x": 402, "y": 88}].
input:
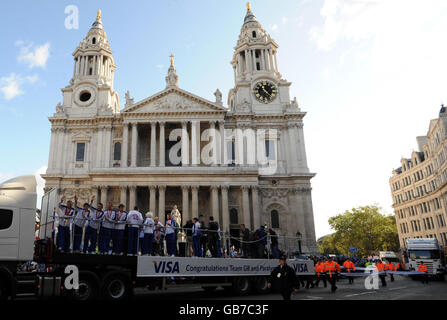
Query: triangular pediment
[{"x": 174, "y": 100}]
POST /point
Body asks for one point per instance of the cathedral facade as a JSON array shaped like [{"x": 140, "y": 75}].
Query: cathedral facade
[{"x": 242, "y": 164}]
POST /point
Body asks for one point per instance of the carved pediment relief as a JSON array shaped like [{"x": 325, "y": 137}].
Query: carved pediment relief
[{"x": 174, "y": 100}]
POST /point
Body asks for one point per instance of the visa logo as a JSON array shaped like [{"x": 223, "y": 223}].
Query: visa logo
[
  {"x": 166, "y": 267},
  {"x": 301, "y": 267}
]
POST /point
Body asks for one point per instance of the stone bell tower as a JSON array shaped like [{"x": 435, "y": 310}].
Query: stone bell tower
[
  {"x": 90, "y": 91},
  {"x": 258, "y": 84}
]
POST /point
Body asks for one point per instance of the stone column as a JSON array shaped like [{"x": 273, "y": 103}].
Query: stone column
[
  {"x": 161, "y": 203},
  {"x": 185, "y": 143},
  {"x": 289, "y": 142},
  {"x": 247, "y": 61},
  {"x": 123, "y": 195},
  {"x": 124, "y": 151},
  {"x": 225, "y": 210},
  {"x": 162, "y": 144},
  {"x": 52, "y": 149},
  {"x": 215, "y": 202},
  {"x": 262, "y": 60},
  {"x": 195, "y": 156},
  {"x": 185, "y": 204},
  {"x": 255, "y": 204},
  {"x": 222, "y": 142},
  {"x": 108, "y": 147},
  {"x": 133, "y": 197},
  {"x": 152, "y": 199},
  {"x": 99, "y": 145},
  {"x": 239, "y": 146},
  {"x": 133, "y": 163},
  {"x": 310, "y": 238},
  {"x": 213, "y": 143},
  {"x": 153, "y": 144},
  {"x": 195, "y": 201},
  {"x": 104, "y": 195},
  {"x": 246, "y": 206},
  {"x": 276, "y": 62},
  {"x": 301, "y": 146}
]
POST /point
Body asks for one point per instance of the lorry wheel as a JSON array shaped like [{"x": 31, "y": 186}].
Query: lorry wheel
[
  {"x": 116, "y": 287},
  {"x": 241, "y": 285},
  {"x": 3, "y": 290},
  {"x": 261, "y": 285},
  {"x": 88, "y": 288}
]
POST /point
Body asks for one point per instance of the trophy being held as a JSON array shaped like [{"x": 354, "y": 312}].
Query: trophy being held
[{"x": 177, "y": 216}]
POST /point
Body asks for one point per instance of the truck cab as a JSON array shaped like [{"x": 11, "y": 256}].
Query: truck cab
[
  {"x": 427, "y": 250},
  {"x": 17, "y": 228}
]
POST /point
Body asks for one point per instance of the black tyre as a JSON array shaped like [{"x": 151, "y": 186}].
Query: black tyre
[
  {"x": 241, "y": 285},
  {"x": 261, "y": 285},
  {"x": 88, "y": 288},
  {"x": 4, "y": 292},
  {"x": 116, "y": 287}
]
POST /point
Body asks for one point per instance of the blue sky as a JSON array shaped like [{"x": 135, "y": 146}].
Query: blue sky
[{"x": 370, "y": 74}]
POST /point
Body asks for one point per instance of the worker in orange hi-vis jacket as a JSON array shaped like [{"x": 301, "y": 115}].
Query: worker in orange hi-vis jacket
[
  {"x": 390, "y": 267},
  {"x": 349, "y": 266},
  {"x": 423, "y": 268}
]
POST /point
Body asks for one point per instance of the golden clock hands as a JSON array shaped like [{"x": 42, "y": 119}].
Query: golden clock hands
[{"x": 266, "y": 91}]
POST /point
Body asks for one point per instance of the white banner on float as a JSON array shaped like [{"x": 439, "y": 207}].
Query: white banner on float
[{"x": 206, "y": 267}]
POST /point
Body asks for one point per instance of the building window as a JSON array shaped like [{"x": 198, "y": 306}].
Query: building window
[
  {"x": 80, "y": 151},
  {"x": 275, "y": 219},
  {"x": 117, "y": 151},
  {"x": 270, "y": 149},
  {"x": 5, "y": 219},
  {"x": 94, "y": 40},
  {"x": 254, "y": 34},
  {"x": 234, "y": 216}
]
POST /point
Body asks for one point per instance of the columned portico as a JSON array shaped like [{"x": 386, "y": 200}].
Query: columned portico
[{"x": 124, "y": 154}]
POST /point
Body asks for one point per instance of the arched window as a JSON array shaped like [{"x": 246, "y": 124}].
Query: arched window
[
  {"x": 254, "y": 34},
  {"x": 94, "y": 40},
  {"x": 117, "y": 151},
  {"x": 275, "y": 219},
  {"x": 234, "y": 216}
]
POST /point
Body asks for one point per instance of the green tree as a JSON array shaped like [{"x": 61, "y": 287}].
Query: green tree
[{"x": 364, "y": 228}]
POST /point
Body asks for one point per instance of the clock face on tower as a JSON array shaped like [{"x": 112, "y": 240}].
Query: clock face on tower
[{"x": 265, "y": 91}]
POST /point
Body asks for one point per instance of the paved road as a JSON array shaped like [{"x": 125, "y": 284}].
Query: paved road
[{"x": 402, "y": 288}]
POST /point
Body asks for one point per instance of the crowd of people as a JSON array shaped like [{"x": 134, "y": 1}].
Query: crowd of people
[{"x": 99, "y": 230}]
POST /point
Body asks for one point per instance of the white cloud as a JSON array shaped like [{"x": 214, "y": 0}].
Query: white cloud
[
  {"x": 284, "y": 20},
  {"x": 10, "y": 86},
  {"x": 33, "y": 56},
  {"x": 274, "y": 27},
  {"x": 32, "y": 79},
  {"x": 159, "y": 66}
]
